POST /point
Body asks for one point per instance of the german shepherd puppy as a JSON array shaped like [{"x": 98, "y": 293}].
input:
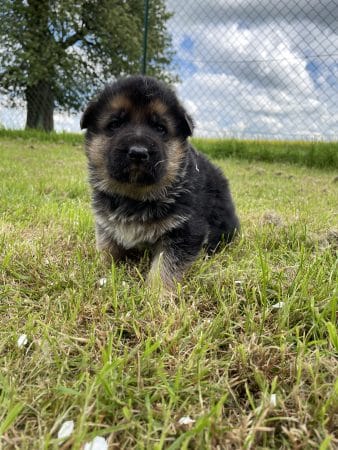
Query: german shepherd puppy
[{"x": 150, "y": 187}]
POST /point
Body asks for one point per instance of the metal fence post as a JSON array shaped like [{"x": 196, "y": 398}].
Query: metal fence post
[{"x": 145, "y": 37}]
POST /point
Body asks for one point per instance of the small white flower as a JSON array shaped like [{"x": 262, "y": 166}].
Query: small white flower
[
  {"x": 22, "y": 340},
  {"x": 98, "y": 443},
  {"x": 273, "y": 400},
  {"x": 278, "y": 305},
  {"x": 186, "y": 420},
  {"x": 102, "y": 281},
  {"x": 66, "y": 429}
]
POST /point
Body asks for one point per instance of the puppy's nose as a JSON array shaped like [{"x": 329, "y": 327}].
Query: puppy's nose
[{"x": 137, "y": 153}]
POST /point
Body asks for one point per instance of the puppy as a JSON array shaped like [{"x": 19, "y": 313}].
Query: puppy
[{"x": 150, "y": 187}]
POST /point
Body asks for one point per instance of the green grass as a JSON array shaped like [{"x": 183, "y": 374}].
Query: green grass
[
  {"x": 311, "y": 154},
  {"x": 125, "y": 366},
  {"x": 41, "y": 136}
]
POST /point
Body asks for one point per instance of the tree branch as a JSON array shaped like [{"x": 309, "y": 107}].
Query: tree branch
[{"x": 71, "y": 40}]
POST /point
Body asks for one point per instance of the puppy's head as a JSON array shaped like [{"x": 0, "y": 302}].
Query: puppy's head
[{"x": 136, "y": 136}]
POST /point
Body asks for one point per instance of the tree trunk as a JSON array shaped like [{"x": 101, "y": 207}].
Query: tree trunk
[{"x": 40, "y": 106}]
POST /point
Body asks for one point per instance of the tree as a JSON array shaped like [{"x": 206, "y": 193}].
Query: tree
[{"x": 55, "y": 54}]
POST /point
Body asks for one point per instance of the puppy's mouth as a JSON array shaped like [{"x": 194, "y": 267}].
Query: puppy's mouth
[{"x": 138, "y": 173}]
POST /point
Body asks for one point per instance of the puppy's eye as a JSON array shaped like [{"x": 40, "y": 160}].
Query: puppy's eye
[
  {"x": 159, "y": 128},
  {"x": 116, "y": 123}
]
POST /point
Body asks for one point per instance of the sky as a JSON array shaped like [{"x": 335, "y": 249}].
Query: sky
[
  {"x": 258, "y": 68},
  {"x": 251, "y": 69}
]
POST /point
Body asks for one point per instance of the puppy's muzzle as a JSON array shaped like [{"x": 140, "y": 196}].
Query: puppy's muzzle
[{"x": 138, "y": 154}]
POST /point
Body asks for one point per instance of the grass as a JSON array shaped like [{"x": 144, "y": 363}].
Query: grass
[
  {"x": 322, "y": 155},
  {"x": 248, "y": 351},
  {"x": 310, "y": 154},
  {"x": 34, "y": 135}
]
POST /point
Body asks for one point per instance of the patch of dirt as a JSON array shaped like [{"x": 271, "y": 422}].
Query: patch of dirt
[{"x": 272, "y": 218}]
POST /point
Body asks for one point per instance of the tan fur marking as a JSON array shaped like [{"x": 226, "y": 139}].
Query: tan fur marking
[
  {"x": 118, "y": 103},
  {"x": 158, "y": 107},
  {"x": 175, "y": 156},
  {"x": 161, "y": 110},
  {"x": 96, "y": 151}
]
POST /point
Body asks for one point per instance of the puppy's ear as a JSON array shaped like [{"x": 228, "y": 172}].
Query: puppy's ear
[
  {"x": 189, "y": 124},
  {"x": 186, "y": 126},
  {"x": 89, "y": 114}
]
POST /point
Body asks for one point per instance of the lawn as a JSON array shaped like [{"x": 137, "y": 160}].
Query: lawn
[{"x": 246, "y": 358}]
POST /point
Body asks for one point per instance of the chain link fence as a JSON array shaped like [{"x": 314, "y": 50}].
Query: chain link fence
[
  {"x": 259, "y": 68},
  {"x": 262, "y": 69}
]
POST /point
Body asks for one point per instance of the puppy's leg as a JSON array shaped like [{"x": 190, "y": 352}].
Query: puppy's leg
[
  {"x": 171, "y": 259},
  {"x": 109, "y": 248},
  {"x": 163, "y": 271}
]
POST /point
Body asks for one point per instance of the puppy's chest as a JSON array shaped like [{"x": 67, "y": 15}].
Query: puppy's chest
[{"x": 136, "y": 231}]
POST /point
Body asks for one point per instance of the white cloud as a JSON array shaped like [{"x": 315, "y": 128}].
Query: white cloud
[
  {"x": 269, "y": 62},
  {"x": 259, "y": 68},
  {"x": 322, "y": 13},
  {"x": 253, "y": 111}
]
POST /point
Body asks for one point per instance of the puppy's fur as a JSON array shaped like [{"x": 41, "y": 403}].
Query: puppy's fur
[{"x": 150, "y": 187}]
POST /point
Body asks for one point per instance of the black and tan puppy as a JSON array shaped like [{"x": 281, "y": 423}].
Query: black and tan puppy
[{"x": 151, "y": 188}]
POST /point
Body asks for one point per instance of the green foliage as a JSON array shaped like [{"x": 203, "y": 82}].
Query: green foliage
[{"x": 76, "y": 46}]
